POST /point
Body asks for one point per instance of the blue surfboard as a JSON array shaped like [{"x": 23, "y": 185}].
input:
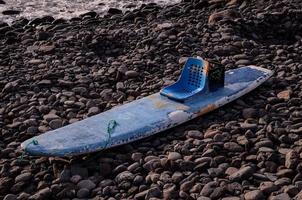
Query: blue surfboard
[{"x": 142, "y": 118}]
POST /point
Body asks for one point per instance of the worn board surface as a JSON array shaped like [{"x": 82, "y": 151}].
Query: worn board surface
[{"x": 142, "y": 118}]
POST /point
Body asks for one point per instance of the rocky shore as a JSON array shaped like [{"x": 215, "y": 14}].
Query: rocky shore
[
  {"x": 11, "y": 10},
  {"x": 54, "y": 72}
]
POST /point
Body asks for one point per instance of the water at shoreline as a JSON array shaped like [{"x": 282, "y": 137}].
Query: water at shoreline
[{"x": 68, "y": 9}]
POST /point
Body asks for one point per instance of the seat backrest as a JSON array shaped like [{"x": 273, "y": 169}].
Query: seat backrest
[{"x": 193, "y": 75}]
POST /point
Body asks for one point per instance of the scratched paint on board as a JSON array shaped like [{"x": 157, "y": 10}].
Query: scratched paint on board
[{"x": 141, "y": 118}]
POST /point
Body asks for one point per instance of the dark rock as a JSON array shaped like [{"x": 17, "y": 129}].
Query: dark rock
[
  {"x": 208, "y": 189},
  {"x": 88, "y": 184},
  {"x": 124, "y": 176},
  {"x": 153, "y": 192},
  {"x": 55, "y": 123},
  {"x": 11, "y": 12},
  {"x": 83, "y": 193},
  {"x": 114, "y": 11},
  {"x": 93, "y": 111},
  {"x": 249, "y": 113},
  {"x": 65, "y": 175},
  {"x": 292, "y": 190},
  {"x": 77, "y": 170},
  {"x": 131, "y": 74},
  {"x": 268, "y": 187},
  {"x": 186, "y": 186}
]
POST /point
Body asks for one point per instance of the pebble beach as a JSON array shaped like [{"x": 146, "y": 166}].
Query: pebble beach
[{"x": 57, "y": 70}]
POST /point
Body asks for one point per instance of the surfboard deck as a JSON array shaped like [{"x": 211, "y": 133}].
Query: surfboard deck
[{"x": 141, "y": 118}]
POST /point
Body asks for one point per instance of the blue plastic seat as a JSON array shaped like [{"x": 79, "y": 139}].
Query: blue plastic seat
[{"x": 191, "y": 82}]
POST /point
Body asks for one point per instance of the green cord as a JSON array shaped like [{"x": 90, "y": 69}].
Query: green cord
[
  {"x": 110, "y": 128},
  {"x": 34, "y": 142}
]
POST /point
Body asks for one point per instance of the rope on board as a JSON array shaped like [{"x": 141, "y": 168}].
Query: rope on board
[
  {"x": 34, "y": 142},
  {"x": 110, "y": 129}
]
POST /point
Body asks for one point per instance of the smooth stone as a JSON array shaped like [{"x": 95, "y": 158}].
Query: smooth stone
[
  {"x": 88, "y": 184},
  {"x": 174, "y": 156},
  {"x": 55, "y": 123},
  {"x": 83, "y": 193},
  {"x": 254, "y": 195},
  {"x": 10, "y": 197},
  {"x": 23, "y": 177},
  {"x": 241, "y": 174}
]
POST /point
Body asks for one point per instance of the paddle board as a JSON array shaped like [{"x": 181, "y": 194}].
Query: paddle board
[{"x": 141, "y": 118}]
